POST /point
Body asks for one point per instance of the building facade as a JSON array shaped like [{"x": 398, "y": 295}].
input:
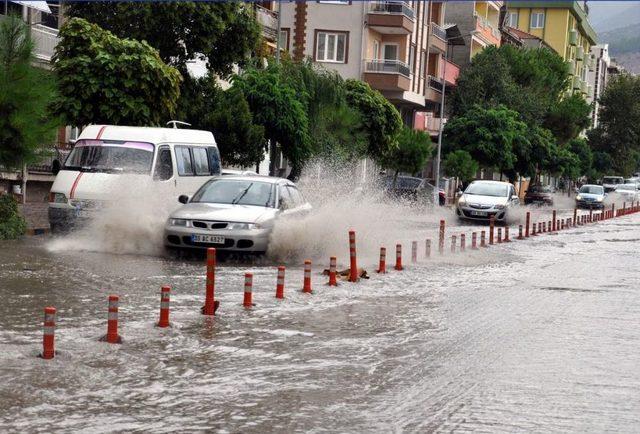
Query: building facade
[
  {"x": 479, "y": 24},
  {"x": 397, "y": 47},
  {"x": 598, "y": 77},
  {"x": 564, "y": 26}
]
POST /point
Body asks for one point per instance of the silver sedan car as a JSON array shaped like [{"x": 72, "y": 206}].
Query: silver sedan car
[
  {"x": 485, "y": 199},
  {"x": 235, "y": 213}
]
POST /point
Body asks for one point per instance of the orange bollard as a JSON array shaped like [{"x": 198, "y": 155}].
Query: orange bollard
[
  {"x": 544, "y": 227},
  {"x": 398, "y": 266},
  {"x": 307, "y": 277},
  {"x": 539, "y": 228},
  {"x": 575, "y": 217},
  {"x": 520, "y": 232},
  {"x": 353, "y": 270},
  {"x": 164, "y": 306},
  {"x": 482, "y": 239},
  {"x": 506, "y": 234},
  {"x": 474, "y": 241},
  {"x": 533, "y": 230},
  {"x": 553, "y": 219},
  {"x": 463, "y": 242},
  {"x": 528, "y": 221},
  {"x": 210, "y": 305},
  {"x": 453, "y": 243},
  {"x": 499, "y": 236},
  {"x": 441, "y": 238},
  {"x": 48, "y": 335},
  {"x": 558, "y": 224},
  {"x": 414, "y": 252},
  {"x": 492, "y": 224},
  {"x": 112, "y": 336},
  {"x": 247, "y": 301},
  {"x": 427, "y": 249},
  {"x": 613, "y": 210},
  {"x": 382, "y": 268},
  {"x": 333, "y": 281},
  {"x": 280, "y": 282}
]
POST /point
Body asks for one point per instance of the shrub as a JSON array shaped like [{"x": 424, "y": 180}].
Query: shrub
[{"x": 12, "y": 224}]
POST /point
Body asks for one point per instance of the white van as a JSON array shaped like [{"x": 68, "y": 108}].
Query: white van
[{"x": 172, "y": 161}]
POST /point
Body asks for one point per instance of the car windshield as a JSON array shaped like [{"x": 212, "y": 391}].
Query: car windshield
[
  {"x": 630, "y": 187},
  {"x": 591, "y": 189},
  {"x": 110, "y": 156},
  {"x": 540, "y": 189},
  {"x": 405, "y": 182},
  {"x": 237, "y": 192},
  {"x": 487, "y": 189},
  {"x": 612, "y": 180}
]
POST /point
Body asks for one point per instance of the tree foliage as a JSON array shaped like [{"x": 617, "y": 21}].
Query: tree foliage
[
  {"x": 461, "y": 165},
  {"x": 380, "y": 119},
  {"x": 104, "y": 79},
  {"x": 618, "y": 132},
  {"x": 223, "y": 32},
  {"x": 25, "y": 93},
  {"x": 411, "y": 153},
  {"x": 568, "y": 118},
  {"x": 12, "y": 224}
]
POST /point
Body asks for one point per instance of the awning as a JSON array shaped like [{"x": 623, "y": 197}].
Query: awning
[{"x": 39, "y": 5}]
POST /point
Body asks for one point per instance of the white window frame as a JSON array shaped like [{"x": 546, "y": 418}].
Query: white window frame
[
  {"x": 536, "y": 22},
  {"x": 510, "y": 21},
  {"x": 393, "y": 44},
  {"x": 325, "y": 35},
  {"x": 376, "y": 49},
  {"x": 284, "y": 39}
]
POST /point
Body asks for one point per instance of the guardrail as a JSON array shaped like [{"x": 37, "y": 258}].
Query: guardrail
[
  {"x": 388, "y": 67},
  {"x": 438, "y": 31},
  {"x": 435, "y": 83},
  {"x": 268, "y": 20},
  {"x": 45, "y": 40},
  {"x": 391, "y": 7}
]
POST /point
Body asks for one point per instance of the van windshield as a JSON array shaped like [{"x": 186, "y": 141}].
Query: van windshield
[
  {"x": 612, "y": 180},
  {"x": 110, "y": 157}
]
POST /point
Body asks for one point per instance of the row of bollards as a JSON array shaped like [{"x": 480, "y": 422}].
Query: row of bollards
[{"x": 211, "y": 305}]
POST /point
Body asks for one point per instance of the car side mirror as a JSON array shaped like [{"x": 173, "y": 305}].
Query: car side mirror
[
  {"x": 183, "y": 198},
  {"x": 514, "y": 197},
  {"x": 55, "y": 166}
]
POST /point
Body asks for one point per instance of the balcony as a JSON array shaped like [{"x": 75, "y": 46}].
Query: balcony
[
  {"x": 573, "y": 37},
  {"x": 577, "y": 83},
  {"x": 45, "y": 40},
  {"x": 580, "y": 53},
  {"x": 432, "y": 124},
  {"x": 390, "y": 17},
  {"x": 268, "y": 21},
  {"x": 487, "y": 31},
  {"x": 439, "y": 39},
  {"x": 451, "y": 72},
  {"x": 387, "y": 74}
]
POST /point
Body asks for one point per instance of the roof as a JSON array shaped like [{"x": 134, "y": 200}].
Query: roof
[
  {"x": 147, "y": 134},
  {"x": 522, "y": 37}
]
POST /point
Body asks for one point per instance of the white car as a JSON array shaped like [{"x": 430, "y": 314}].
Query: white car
[
  {"x": 485, "y": 199},
  {"x": 234, "y": 213},
  {"x": 627, "y": 192}
]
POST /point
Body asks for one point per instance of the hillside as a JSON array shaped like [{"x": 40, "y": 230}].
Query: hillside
[{"x": 624, "y": 45}]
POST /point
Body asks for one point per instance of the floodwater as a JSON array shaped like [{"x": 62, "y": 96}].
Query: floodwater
[{"x": 537, "y": 335}]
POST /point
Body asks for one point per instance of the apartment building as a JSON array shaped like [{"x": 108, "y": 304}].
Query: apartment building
[
  {"x": 564, "y": 26},
  {"x": 479, "y": 24},
  {"x": 397, "y": 47},
  {"x": 598, "y": 77}
]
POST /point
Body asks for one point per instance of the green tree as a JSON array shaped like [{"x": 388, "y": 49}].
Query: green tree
[
  {"x": 580, "y": 148},
  {"x": 411, "y": 153},
  {"x": 618, "y": 131},
  {"x": 276, "y": 106},
  {"x": 568, "y": 118},
  {"x": 12, "y": 224},
  {"x": 104, "y": 79},
  {"x": 461, "y": 165},
  {"x": 223, "y": 32},
  {"x": 380, "y": 119},
  {"x": 534, "y": 151},
  {"x": 488, "y": 135},
  {"x": 25, "y": 93}
]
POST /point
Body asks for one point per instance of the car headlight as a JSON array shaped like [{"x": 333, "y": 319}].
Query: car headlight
[
  {"x": 578, "y": 197},
  {"x": 600, "y": 199},
  {"x": 179, "y": 222},
  {"x": 57, "y": 198},
  {"x": 462, "y": 201},
  {"x": 499, "y": 206},
  {"x": 243, "y": 226}
]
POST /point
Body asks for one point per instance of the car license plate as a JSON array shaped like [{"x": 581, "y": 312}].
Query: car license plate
[
  {"x": 211, "y": 239},
  {"x": 479, "y": 213}
]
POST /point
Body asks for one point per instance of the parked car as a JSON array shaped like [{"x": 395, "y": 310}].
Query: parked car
[
  {"x": 413, "y": 189},
  {"x": 540, "y": 194},
  {"x": 627, "y": 192},
  {"x": 483, "y": 199},
  {"x": 610, "y": 182},
  {"x": 168, "y": 161},
  {"x": 234, "y": 213},
  {"x": 591, "y": 196}
]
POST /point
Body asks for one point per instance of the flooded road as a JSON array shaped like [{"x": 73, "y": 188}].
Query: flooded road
[{"x": 535, "y": 335}]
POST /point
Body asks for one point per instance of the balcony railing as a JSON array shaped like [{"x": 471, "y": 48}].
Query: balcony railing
[
  {"x": 391, "y": 7},
  {"x": 435, "y": 83},
  {"x": 439, "y": 31},
  {"x": 387, "y": 67},
  {"x": 432, "y": 123},
  {"x": 268, "y": 20},
  {"x": 451, "y": 71},
  {"x": 45, "y": 40}
]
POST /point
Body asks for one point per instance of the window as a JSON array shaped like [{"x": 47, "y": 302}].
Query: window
[
  {"x": 200, "y": 161},
  {"x": 537, "y": 20},
  {"x": 390, "y": 51},
  {"x": 164, "y": 165},
  {"x": 296, "y": 197},
  {"x": 183, "y": 161},
  {"x": 412, "y": 57},
  {"x": 331, "y": 47},
  {"x": 284, "y": 39},
  {"x": 214, "y": 160},
  {"x": 285, "y": 198},
  {"x": 512, "y": 19},
  {"x": 376, "y": 50}
]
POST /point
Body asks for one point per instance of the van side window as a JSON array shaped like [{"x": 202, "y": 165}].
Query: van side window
[
  {"x": 164, "y": 165},
  {"x": 296, "y": 197},
  {"x": 285, "y": 198},
  {"x": 214, "y": 160},
  {"x": 200, "y": 160},
  {"x": 183, "y": 161}
]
